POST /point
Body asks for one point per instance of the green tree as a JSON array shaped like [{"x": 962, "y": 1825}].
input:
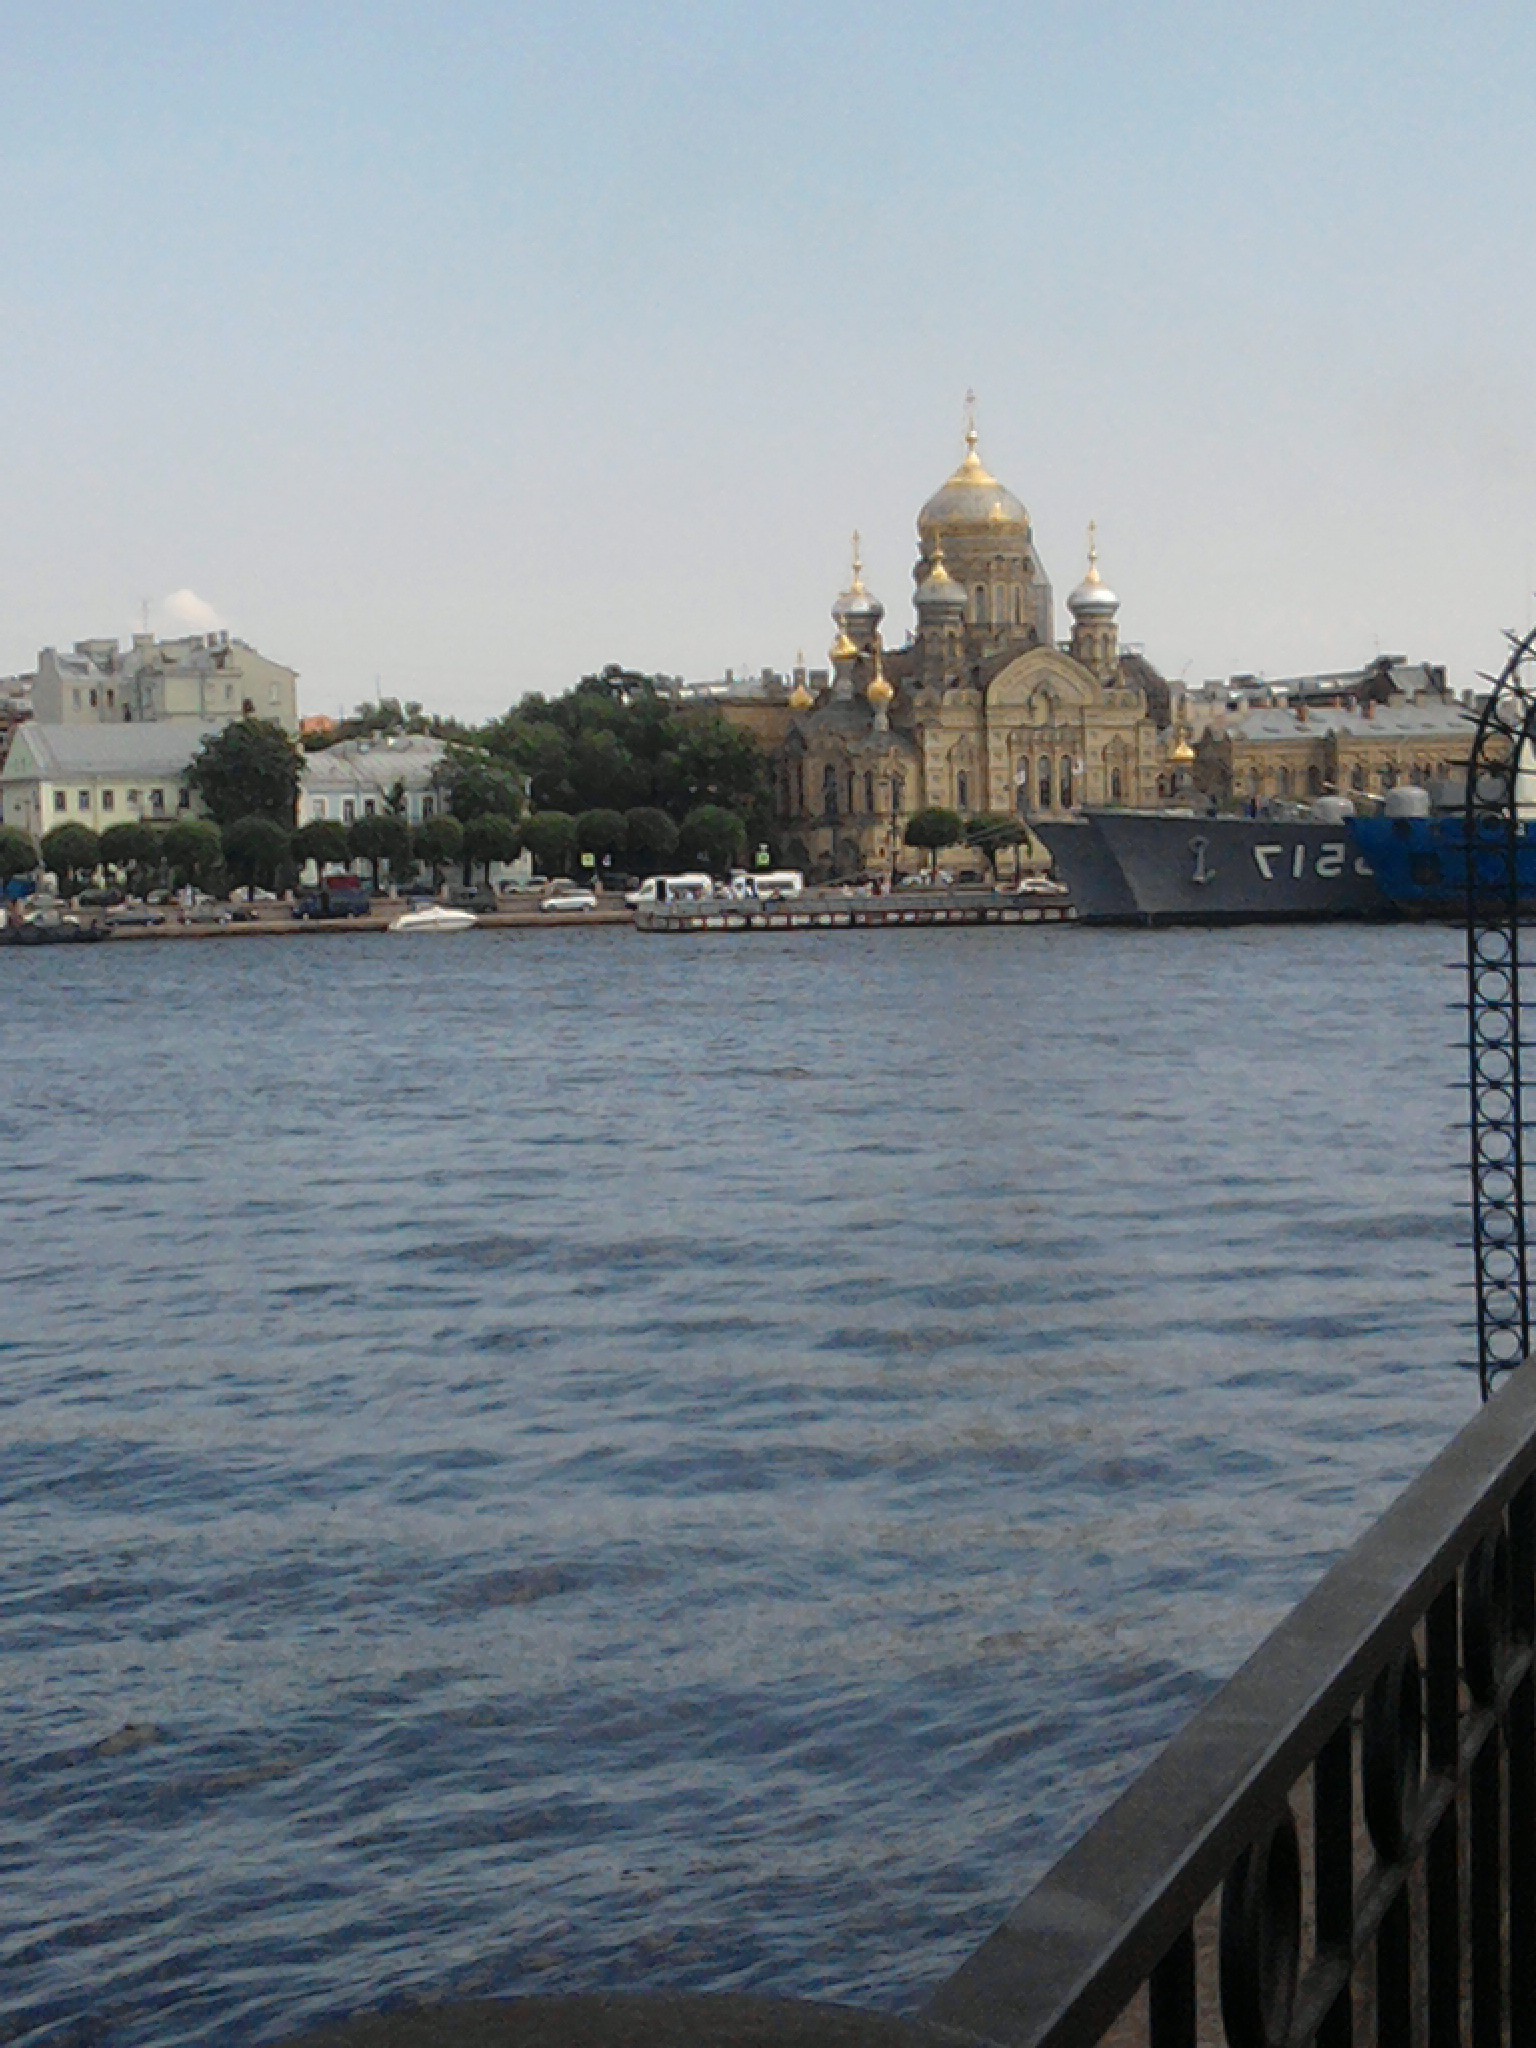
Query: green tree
[
  {"x": 256, "y": 850},
  {"x": 990, "y": 831},
  {"x": 480, "y": 786},
  {"x": 18, "y": 854},
  {"x": 935, "y": 828},
  {"x": 489, "y": 836},
  {"x": 135, "y": 850},
  {"x": 600, "y": 832},
  {"x": 550, "y": 836},
  {"x": 604, "y": 773},
  {"x": 73, "y": 852},
  {"x": 322, "y": 840},
  {"x": 712, "y": 835},
  {"x": 380, "y": 838},
  {"x": 711, "y": 762},
  {"x": 438, "y": 841},
  {"x": 650, "y": 837},
  {"x": 193, "y": 849},
  {"x": 249, "y": 770}
]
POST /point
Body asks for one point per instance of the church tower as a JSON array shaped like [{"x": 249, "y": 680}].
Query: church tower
[
  {"x": 984, "y": 534},
  {"x": 1094, "y": 608}
]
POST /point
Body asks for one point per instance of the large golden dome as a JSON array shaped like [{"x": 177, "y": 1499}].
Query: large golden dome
[{"x": 973, "y": 498}]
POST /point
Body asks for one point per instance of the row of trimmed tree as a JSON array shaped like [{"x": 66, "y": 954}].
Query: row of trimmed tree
[
  {"x": 258, "y": 851},
  {"x": 987, "y": 833}
]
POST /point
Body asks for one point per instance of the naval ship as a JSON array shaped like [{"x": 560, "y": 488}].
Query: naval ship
[{"x": 1158, "y": 867}]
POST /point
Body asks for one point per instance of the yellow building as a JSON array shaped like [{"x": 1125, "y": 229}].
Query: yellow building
[{"x": 980, "y": 710}]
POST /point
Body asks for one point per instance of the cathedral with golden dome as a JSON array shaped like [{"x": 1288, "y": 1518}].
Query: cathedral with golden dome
[{"x": 979, "y": 711}]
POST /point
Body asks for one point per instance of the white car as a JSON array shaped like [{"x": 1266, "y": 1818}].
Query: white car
[{"x": 569, "y": 899}]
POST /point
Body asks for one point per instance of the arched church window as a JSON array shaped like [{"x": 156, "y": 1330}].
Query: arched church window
[
  {"x": 1283, "y": 782},
  {"x": 1357, "y": 777},
  {"x": 979, "y": 605},
  {"x": 852, "y": 800},
  {"x": 829, "y": 790},
  {"x": 800, "y": 787},
  {"x": 898, "y": 794},
  {"x": 1314, "y": 781},
  {"x": 1018, "y": 604},
  {"x": 869, "y": 791},
  {"x": 963, "y": 790},
  {"x": 1000, "y": 604},
  {"x": 1116, "y": 786},
  {"x": 1065, "y": 783},
  {"x": 1045, "y": 782}
]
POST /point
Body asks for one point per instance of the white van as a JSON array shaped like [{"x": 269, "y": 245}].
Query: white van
[
  {"x": 671, "y": 889},
  {"x": 767, "y": 884}
]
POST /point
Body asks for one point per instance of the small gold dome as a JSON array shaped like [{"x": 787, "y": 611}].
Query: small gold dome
[
  {"x": 843, "y": 649},
  {"x": 800, "y": 698},
  {"x": 878, "y": 690},
  {"x": 1181, "y": 752}
]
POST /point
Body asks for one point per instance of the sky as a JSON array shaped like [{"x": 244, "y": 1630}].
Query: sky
[{"x": 454, "y": 350}]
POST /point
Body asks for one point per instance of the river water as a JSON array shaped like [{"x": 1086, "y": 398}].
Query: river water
[{"x": 557, "y": 1460}]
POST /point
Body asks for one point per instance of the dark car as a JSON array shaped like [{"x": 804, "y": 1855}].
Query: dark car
[
  {"x": 336, "y": 897},
  {"x": 477, "y": 900}
]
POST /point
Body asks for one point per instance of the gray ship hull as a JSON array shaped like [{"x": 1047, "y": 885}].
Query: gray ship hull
[{"x": 1148, "y": 867}]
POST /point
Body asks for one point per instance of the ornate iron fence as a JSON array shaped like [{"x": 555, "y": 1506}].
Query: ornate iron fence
[{"x": 1494, "y": 832}]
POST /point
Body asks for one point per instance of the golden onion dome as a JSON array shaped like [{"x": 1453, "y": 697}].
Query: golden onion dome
[
  {"x": 843, "y": 649},
  {"x": 1181, "y": 753},
  {"x": 938, "y": 590},
  {"x": 800, "y": 698},
  {"x": 878, "y": 690},
  {"x": 972, "y": 497}
]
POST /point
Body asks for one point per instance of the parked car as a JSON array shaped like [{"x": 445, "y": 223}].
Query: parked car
[
  {"x": 135, "y": 913},
  {"x": 476, "y": 899},
  {"x": 336, "y": 896},
  {"x": 100, "y": 899},
  {"x": 1041, "y": 885},
  {"x": 570, "y": 898}
]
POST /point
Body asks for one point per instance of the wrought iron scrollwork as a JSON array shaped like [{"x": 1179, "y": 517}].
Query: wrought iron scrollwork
[
  {"x": 1261, "y": 1939},
  {"x": 1392, "y": 1753},
  {"x": 1503, "y": 754},
  {"x": 1486, "y": 1620}
]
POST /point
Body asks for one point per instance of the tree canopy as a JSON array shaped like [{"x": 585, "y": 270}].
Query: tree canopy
[
  {"x": 18, "y": 855},
  {"x": 618, "y": 742},
  {"x": 990, "y": 831},
  {"x": 193, "y": 849},
  {"x": 934, "y": 828},
  {"x": 712, "y": 835},
  {"x": 256, "y": 850},
  {"x": 322, "y": 840},
  {"x": 380, "y": 837},
  {"x": 438, "y": 841},
  {"x": 550, "y": 836},
  {"x": 250, "y": 769},
  {"x": 490, "y": 836},
  {"x": 73, "y": 852},
  {"x": 650, "y": 837}
]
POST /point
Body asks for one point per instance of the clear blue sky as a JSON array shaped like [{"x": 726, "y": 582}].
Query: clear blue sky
[{"x": 469, "y": 346}]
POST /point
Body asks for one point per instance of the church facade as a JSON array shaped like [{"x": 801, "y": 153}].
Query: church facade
[{"x": 980, "y": 710}]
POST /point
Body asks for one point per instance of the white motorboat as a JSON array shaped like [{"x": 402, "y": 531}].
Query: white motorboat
[{"x": 434, "y": 917}]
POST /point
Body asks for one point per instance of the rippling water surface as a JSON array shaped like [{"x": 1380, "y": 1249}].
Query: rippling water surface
[{"x": 548, "y": 1461}]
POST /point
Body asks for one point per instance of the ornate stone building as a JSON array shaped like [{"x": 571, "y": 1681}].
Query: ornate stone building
[{"x": 979, "y": 711}]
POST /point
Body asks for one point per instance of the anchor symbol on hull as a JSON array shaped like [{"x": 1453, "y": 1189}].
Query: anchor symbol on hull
[{"x": 1202, "y": 873}]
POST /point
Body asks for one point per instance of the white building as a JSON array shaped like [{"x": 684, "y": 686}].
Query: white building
[
  {"x": 100, "y": 775},
  {"x": 204, "y": 676},
  {"x": 358, "y": 778}
]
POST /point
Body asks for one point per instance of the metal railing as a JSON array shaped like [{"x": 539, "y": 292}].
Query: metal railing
[{"x": 1357, "y": 1805}]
